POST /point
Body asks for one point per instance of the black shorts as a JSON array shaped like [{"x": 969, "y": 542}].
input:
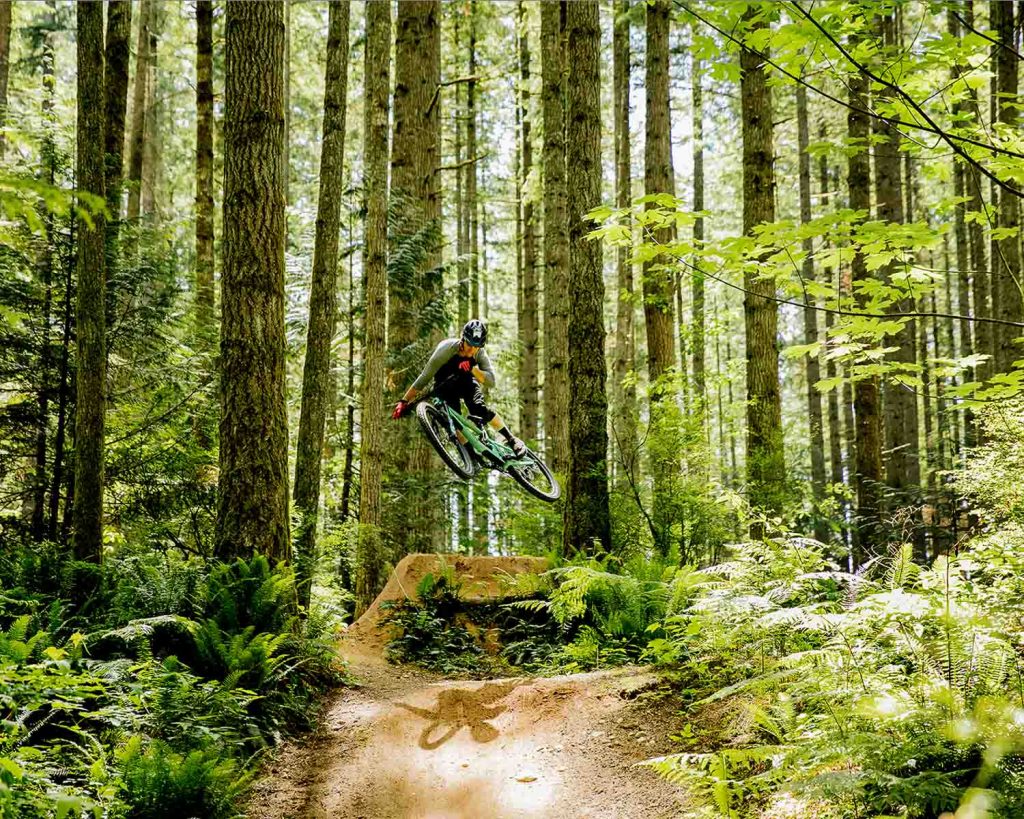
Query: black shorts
[{"x": 466, "y": 389}]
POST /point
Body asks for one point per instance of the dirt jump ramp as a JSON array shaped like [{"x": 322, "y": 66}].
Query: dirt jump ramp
[{"x": 482, "y": 579}]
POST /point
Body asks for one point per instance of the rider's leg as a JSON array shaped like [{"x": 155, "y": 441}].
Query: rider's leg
[{"x": 475, "y": 402}]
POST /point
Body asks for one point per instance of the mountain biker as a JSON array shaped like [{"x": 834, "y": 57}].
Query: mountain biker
[{"x": 459, "y": 366}]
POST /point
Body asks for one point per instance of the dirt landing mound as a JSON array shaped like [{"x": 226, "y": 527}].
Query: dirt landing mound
[
  {"x": 406, "y": 746},
  {"x": 482, "y": 580}
]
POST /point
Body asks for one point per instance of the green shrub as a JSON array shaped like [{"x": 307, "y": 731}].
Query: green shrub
[
  {"x": 158, "y": 782},
  {"x": 892, "y": 692}
]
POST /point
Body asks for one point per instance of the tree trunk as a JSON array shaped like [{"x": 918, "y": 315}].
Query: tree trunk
[
  {"x": 286, "y": 156},
  {"x": 63, "y": 376},
  {"x": 766, "y": 467},
  {"x": 903, "y": 467},
  {"x": 461, "y": 214},
  {"x": 90, "y": 329},
  {"x": 49, "y": 159},
  {"x": 5, "y": 66},
  {"x": 981, "y": 282},
  {"x": 835, "y": 446},
  {"x": 471, "y": 174},
  {"x": 963, "y": 264},
  {"x": 658, "y": 277},
  {"x": 657, "y": 280},
  {"x": 350, "y": 391},
  {"x": 697, "y": 278},
  {"x": 152, "y": 149},
  {"x": 205, "y": 319},
  {"x": 556, "y": 244},
  {"x": 866, "y": 402},
  {"x": 1006, "y": 290},
  {"x": 814, "y": 417},
  {"x": 136, "y": 144},
  {"x": 369, "y": 554},
  {"x": 624, "y": 423},
  {"x": 838, "y": 460},
  {"x": 528, "y": 329},
  {"x": 981, "y": 277},
  {"x": 413, "y": 519},
  {"x": 253, "y": 513},
  {"x": 323, "y": 302},
  {"x": 723, "y": 468},
  {"x": 959, "y": 212},
  {"x": 119, "y": 30},
  {"x": 587, "y": 522}
]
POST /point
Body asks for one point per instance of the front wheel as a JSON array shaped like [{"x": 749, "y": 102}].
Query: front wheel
[
  {"x": 533, "y": 475},
  {"x": 438, "y": 431}
]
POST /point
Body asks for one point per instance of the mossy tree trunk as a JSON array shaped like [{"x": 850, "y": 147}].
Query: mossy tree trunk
[
  {"x": 205, "y": 316},
  {"x": 556, "y": 243},
  {"x": 377, "y": 78},
  {"x": 766, "y": 466},
  {"x": 624, "y": 418},
  {"x": 323, "y": 302},
  {"x": 981, "y": 278},
  {"x": 5, "y": 66},
  {"x": 1006, "y": 287},
  {"x": 813, "y": 370},
  {"x": 866, "y": 399},
  {"x": 152, "y": 143},
  {"x": 697, "y": 278},
  {"x": 587, "y": 521},
  {"x": 412, "y": 520},
  {"x": 659, "y": 280},
  {"x": 119, "y": 30},
  {"x": 529, "y": 388},
  {"x": 903, "y": 469},
  {"x": 90, "y": 327},
  {"x": 253, "y": 512},
  {"x": 136, "y": 139}
]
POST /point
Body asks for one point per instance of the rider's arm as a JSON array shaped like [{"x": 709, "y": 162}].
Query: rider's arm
[
  {"x": 441, "y": 355},
  {"x": 483, "y": 372}
]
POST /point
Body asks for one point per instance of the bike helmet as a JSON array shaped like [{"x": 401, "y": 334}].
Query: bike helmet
[{"x": 475, "y": 333}]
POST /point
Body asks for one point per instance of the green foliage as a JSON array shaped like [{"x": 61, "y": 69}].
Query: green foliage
[
  {"x": 158, "y": 782},
  {"x": 427, "y": 633},
  {"x": 896, "y": 691},
  {"x": 442, "y": 632},
  {"x": 581, "y": 616},
  {"x": 997, "y": 464},
  {"x": 151, "y": 715}
]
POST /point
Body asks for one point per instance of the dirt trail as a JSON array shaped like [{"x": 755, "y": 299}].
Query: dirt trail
[{"x": 409, "y": 745}]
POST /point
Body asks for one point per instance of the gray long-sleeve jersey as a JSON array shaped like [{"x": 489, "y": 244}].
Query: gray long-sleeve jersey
[{"x": 445, "y": 352}]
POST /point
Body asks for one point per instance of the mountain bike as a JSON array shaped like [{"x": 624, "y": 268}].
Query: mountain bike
[{"x": 442, "y": 425}]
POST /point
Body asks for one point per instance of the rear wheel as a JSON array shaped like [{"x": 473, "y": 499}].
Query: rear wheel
[
  {"x": 533, "y": 475},
  {"x": 436, "y": 427}
]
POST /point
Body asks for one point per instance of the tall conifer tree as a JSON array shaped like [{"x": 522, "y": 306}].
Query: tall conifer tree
[
  {"x": 587, "y": 520},
  {"x": 323, "y": 300},
  {"x": 253, "y": 512}
]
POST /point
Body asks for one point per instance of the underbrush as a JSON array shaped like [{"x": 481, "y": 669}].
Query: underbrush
[
  {"x": 188, "y": 672},
  {"x": 896, "y": 691},
  {"x": 578, "y": 617}
]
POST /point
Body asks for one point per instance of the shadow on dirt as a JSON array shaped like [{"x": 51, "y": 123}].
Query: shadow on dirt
[{"x": 459, "y": 708}]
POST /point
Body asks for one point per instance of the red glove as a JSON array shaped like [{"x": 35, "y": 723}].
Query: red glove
[
  {"x": 401, "y": 408},
  {"x": 466, "y": 365}
]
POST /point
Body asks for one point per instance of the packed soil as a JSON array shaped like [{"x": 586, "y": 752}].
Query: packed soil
[{"x": 406, "y": 744}]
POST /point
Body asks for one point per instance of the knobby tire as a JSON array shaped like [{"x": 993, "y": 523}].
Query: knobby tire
[
  {"x": 550, "y": 495},
  {"x": 435, "y": 424}
]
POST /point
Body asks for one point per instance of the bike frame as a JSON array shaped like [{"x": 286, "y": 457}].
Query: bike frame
[{"x": 478, "y": 439}]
